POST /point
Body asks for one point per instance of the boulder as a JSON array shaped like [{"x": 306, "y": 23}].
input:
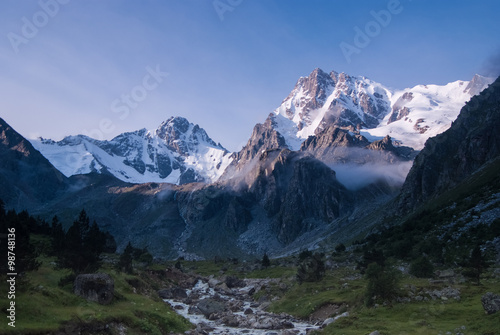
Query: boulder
[
  {"x": 230, "y": 321},
  {"x": 491, "y": 302},
  {"x": 173, "y": 293},
  {"x": 212, "y": 282},
  {"x": 210, "y": 306},
  {"x": 97, "y": 287},
  {"x": 234, "y": 282}
]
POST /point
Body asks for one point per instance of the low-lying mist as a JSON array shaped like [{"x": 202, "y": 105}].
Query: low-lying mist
[{"x": 356, "y": 176}]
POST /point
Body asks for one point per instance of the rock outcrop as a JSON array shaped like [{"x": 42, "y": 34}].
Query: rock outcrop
[
  {"x": 340, "y": 145},
  {"x": 491, "y": 302},
  {"x": 264, "y": 137},
  {"x": 97, "y": 287}
]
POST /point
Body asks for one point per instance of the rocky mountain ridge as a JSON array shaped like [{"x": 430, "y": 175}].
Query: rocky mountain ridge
[
  {"x": 180, "y": 152},
  {"x": 177, "y": 152},
  {"x": 23, "y": 185},
  {"x": 409, "y": 116}
]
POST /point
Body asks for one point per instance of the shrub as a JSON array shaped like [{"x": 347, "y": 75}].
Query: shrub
[
  {"x": 383, "y": 283},
  {"x": 422, "y": 268},
  {"x": 340, "y": 248},
  {"x": 311, "y": 269},
  {"x": 304, "y": 255},
  {"x": 265, "y": 261}
]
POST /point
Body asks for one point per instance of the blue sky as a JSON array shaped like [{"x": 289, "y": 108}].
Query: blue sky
[{"x": 69, "y": 66}]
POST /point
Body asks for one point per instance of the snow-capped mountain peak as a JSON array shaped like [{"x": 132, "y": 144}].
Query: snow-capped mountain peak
[
  {"x": 176, "y": 152},
  {"x": 182, "y": 136},
  {"x": 409, "y": 116},
  {"x": 321, "y": 99},
  {"x": 426, "y": 110}
]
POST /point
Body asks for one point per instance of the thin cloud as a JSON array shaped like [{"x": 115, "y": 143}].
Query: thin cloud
[{"x": 491, "y": 66}]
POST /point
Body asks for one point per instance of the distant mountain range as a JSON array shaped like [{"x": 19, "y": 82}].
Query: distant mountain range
[{"x": 180, "y": 152}]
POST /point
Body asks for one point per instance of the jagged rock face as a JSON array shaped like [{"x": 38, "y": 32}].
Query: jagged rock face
[
  {"x": 313, "y": 197},
  {"x": 393, "y": 152},
  {"x": 454, "y": 155},
  {"x": 476, "y": 85},
  {"x": 26, "y": 177},
  {"x": 399, "y": 110},
  {"x": 214, "y": 216},
  {"x": 207, "y": 203},
  {"x": 333, "y": 143},
  {"x": 317, "y": 86},
  {"x": 296, "y": 193},
  {"x": 299, "y": 193},
  {"x": 337, "y": 145},
  {"x": 264, "y": 137}
]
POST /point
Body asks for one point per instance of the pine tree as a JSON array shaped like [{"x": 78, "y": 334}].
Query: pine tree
[
  {"x": 25, "y": 253},
  {"x": 58, "y": 236},
  {"x": 2, "y": 211},
  {"x": 125, "y": 262},
  {"x": 311, "y": 268},
  {"x": 383, "y": 283},
  {"x": 476, "y": 264},
  {"x": 265, "y": 261},
  {"x": 83, "y": 245}
]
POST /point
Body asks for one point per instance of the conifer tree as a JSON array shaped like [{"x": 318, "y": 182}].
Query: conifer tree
[
  {"x": 265, "y": 261},
  {"x": 476, "y": 264},
  {"x": 58, "y": 236},
  {"x": 83, "y": 245},
  {"x": 125, "y": 262}
]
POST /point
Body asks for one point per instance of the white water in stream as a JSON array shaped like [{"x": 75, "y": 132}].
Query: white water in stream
[{"x": 204, "y": 291}]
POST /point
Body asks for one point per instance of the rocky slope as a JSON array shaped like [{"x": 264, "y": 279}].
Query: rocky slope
[
  {"x": 27, "y": 178},
  {"x": 447, "y": 159},
  {"x": 338, "y": 145},
  {"x": 177, "y": 152}
]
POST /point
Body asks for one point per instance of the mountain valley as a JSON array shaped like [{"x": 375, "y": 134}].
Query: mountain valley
[{"x": 318, "y": 169}]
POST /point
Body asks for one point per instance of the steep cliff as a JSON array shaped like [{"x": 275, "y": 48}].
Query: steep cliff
[{"x": 449, "y": 158}]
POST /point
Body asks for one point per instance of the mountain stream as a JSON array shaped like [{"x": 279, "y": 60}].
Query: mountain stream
[{"x": 217, "y": 309}]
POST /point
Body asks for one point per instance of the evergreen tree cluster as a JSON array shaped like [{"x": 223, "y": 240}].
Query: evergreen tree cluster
[
  {"x": 383, "y": 279},
  {"x": 79, "y": 248},
  {"x": 311, "y": 267},
  {"x": 130, "y": 254},
  {"x": 21, "y": 225}
]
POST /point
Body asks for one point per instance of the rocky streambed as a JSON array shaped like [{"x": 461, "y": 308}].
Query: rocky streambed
[{"x": 218, "y": 308}]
